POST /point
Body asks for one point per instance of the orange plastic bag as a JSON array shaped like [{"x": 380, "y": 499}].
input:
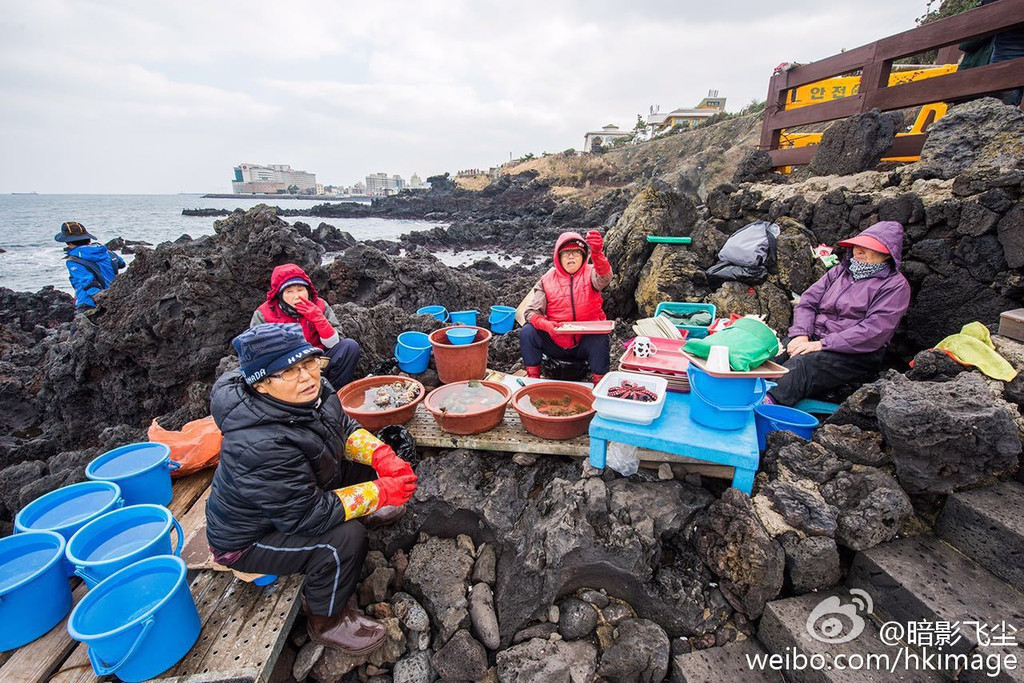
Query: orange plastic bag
[{"x": 195, "y": 447}]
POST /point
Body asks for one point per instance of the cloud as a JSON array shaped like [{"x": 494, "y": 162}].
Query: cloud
[{"x": 344, "y": 90}]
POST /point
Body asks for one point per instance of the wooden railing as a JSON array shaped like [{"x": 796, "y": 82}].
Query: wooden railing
[{"x": 875, "y": 60}]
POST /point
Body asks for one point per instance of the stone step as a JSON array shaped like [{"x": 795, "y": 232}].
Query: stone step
[
  {"x": 922, "y": 579},
  {"x": 784, "y": 631},
  {"x": 987, "y": 526},
  {"x": 726, "y": 664}
]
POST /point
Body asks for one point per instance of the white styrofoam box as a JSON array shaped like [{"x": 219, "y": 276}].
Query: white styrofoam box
[{"x": 624, "y": 409}]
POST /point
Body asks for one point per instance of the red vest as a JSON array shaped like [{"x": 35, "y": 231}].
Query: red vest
[{"x": 572, "y": 297}]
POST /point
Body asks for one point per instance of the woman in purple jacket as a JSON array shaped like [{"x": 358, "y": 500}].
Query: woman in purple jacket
[{"x": 845, "y": 319}]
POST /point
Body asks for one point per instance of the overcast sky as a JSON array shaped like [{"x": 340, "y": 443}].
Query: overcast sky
[{"x": 148, "y": 96}]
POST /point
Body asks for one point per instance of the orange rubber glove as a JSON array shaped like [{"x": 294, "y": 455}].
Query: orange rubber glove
[
  {"x": 387, "y": 463},
  {"x": 396, "y": 490}
]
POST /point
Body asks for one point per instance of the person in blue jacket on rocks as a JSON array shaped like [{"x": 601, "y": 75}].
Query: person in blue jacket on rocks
[{"x": 91, "y": 267}]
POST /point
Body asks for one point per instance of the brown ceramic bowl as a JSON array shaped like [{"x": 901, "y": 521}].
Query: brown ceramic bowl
[
  {"x": 466, "y": 419},
  {"x": 353, "y": 395},
  {"x": 554, "y": 426}
]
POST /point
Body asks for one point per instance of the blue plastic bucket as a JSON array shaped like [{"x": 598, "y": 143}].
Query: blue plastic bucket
[
  {"x": 439, "y": 312},
  {"x": 68, "y": 509},
  {"x": 142, "y": 470},
  {"x": 139, "y": 621},
  {"x": 120, "y": 538},
  {"x": 723, "y": 403},
  {"x": 460, "y": 336},
  {"x": 413, "y": 352},
  {"x": 769, "y": 417},
  {"x": 464, "y": 317},
  {"x": 502, "y": 318},
  {"x": 34, "y": 590}
]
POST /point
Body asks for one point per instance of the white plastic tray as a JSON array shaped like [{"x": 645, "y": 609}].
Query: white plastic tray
[{"x": 623, "y": 409}]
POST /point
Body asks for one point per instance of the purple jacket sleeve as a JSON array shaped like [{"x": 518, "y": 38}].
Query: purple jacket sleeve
[
  {"x": 878, "y": 326},
  {"x": 807, "y": 309}
]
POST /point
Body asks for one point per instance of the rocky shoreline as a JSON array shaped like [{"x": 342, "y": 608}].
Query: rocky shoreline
[{"x": 525, "y": 568}]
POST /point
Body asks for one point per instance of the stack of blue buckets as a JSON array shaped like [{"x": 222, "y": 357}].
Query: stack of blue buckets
[
  {"x": 114, "y": 531},
  {"x": 413, "y": 348}
]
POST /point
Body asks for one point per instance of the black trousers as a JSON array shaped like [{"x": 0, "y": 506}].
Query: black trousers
[
  {"x": 814, "y": 373},
  {"x": 344, "y": 355},
  {"x": 593, "y": 348},
  {"x": 331, "y": 562}
]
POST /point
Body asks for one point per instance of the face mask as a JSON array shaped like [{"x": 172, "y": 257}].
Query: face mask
[{"x": 860, "y": 270}]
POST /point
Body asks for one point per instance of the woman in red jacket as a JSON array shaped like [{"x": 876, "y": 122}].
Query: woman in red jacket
[
  {"x": 292, "y": 298},
  {"x": 571, "y": 290}
]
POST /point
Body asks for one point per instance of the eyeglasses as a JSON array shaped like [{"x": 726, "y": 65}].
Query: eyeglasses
[{"x": 310, "y": 365}]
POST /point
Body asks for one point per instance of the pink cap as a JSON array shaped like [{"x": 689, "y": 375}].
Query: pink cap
[{"x": 866, "y": 241}]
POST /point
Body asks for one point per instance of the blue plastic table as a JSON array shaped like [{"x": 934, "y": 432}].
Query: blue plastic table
[{"x": 674, "y": 432}]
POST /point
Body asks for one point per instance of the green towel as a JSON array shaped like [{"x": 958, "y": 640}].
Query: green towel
[{"x": 973, "y": 346}]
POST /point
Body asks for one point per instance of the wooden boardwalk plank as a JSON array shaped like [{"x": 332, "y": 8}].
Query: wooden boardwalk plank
[
  {"x": 511, "y": 437},
  {"x": 247, "y": 633}
]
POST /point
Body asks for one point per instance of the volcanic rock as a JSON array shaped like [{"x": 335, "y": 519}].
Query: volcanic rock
[
  {"x": 734, "y": 544},
  {"x": 852, "y": 444},
  {"x": 872, "y": 507},
  {"x": 438, "y": 574},
  {"x": 461, "y": 659},
  {"x": 812, "y": 563},
  {"x": 979, "y": 133},
  {"x": 856, "y": 143},
  {"x": 640, "y": 652},
  {"x": 655, "y": 210},
  {"x": 946, "y": 436}
]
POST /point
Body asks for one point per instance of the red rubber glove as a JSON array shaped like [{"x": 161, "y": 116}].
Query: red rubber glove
[
  {"x": 388, "y": 464},
  {"x": 547, "y": 325},
  {"x": 311, "y": 312},
  {"x": 395, "y": 490},
  {"x": 596, "y": 244}
]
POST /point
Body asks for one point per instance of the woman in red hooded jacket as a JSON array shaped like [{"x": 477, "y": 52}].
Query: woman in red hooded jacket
[
  {"x": 292, "y": 298},
  {"x": 571, "y": 290}
]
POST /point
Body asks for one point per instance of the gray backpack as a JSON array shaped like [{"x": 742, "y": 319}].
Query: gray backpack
[{"x": 746, "y": 255}]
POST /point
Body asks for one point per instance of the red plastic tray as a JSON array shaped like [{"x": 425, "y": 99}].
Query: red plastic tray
[
  {"x": 669, "y": 360},
  {"x": 586, "y": 326}
]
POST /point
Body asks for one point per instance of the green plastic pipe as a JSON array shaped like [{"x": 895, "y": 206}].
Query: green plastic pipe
[{"x": 658, "y": 239}]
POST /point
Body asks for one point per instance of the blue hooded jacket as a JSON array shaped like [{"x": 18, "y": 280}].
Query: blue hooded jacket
[{"x": 84, "y": 280}]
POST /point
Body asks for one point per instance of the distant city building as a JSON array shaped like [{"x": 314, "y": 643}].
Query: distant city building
[
  {"x": 271, "y": 179},
  {"x": 415, "y": 182},
  {"x": 378, "y": 184},
  {"x": 685, "y": 118},
  {"x": 358, "y": 188},
  {"x": 607, "y": 135}
]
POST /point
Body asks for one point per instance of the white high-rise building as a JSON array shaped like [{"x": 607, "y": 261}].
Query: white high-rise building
[{"x": 271, "y": 179}]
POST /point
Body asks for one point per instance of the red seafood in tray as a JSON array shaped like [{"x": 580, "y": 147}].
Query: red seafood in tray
[{"x": 632, "y": 391}]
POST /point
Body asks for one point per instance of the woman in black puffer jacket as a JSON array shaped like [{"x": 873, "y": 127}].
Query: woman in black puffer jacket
[{"x": 295, "y": 472}]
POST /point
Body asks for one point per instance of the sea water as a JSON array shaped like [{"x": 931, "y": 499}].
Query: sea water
[{"x": 28, "y": 223}]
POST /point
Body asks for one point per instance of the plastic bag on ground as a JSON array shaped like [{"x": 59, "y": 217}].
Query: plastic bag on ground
[
  {"x": 195, "y": 447},
  {"x": 622, "y": 458},
  {"x": 402, "y": 442}
]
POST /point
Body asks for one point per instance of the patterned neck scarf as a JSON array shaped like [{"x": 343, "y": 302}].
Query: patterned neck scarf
[{"x": 860, "y": 270}]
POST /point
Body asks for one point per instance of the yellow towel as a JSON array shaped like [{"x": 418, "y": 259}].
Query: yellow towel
[{"x": 973, "y": 346}]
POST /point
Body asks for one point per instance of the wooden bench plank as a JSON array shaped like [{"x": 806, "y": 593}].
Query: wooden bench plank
[
  {"x": 40, "y": 658},
  {"x": 196, "y": 551},
  {"x": 243, "y": 636}
]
